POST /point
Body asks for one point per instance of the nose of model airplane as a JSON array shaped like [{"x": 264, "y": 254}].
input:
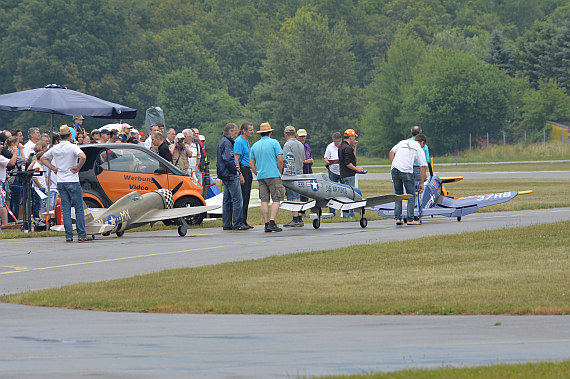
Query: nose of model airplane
[{"x": 167, "y": 197}]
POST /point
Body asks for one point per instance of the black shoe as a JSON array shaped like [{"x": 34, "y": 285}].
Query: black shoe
[
  {"x": 69, "y": 240},
  {"x": 228, "y": 228},
  {"x": 249, "y": 226},
  {"x": 85, "y": 239},
  {"x": 267, "y": 227},
  {"x": 291, "y": 223},
  {"x": 272, "y": 227},
  {"x": 243, "y": 227}
]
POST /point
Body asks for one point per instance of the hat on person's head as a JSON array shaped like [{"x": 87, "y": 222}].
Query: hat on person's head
[
  {"x": 95, "y": 131},
  {"x": 180, "y": 136},
  {"x": 122, "y": 137},
  {"x": 104, "y": 131},
  {"x": 350, "y": 133},
  {"x": 290, "y": 129},
  {"x": 133, "y": 130},
  {"x": 201, "y": 138},
  {"x": 142, "y": 134},
  {"x": 125, "y": 125},
  {"x": 78, "y": 117},
  {"x": 302, "y": 133},
  {"x": 64, "y": 130},
  {"x": 265, "y": 127}
]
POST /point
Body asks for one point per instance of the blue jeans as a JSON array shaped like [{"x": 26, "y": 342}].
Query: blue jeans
[
  {"x": 71, "y": 192},
  {"x": 400, "y": 181},
  {"x": 335, "y": 179},
  {"x": 15, "y": 196},
  {"x": 349, "y": 180},
  {"x": 232, "y": 203}
]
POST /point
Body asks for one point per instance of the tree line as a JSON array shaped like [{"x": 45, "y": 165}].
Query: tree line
[{"x": 377, "y": 66}]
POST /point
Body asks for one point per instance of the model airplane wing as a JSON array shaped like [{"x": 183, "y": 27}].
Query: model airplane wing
[
  {"x": 451, "y": 179},
  {"x": 93, "y": 228},
  {"x": 168, "y": 214},
  {"x": 383, "y": 199}
]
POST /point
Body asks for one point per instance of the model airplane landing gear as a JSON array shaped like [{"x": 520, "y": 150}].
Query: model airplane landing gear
[
  {"x": 363, "y": 222},
  {"x": 459, "y": 218},
  {"x": 120, "y": 234},
  {"x": 182, "y": 228},
  {"x": 317, "y": 221}
]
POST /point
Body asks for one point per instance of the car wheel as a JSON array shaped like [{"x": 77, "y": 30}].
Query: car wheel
[
  {"x": 191, "y": 201},
  {"x": 91, "y": 203}
]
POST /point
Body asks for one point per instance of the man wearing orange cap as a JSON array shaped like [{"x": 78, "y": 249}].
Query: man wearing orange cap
[{"x": 347, "y": 162}]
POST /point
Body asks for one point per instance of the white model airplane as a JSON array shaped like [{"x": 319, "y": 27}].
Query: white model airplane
[{"x": 134, "y": 210}]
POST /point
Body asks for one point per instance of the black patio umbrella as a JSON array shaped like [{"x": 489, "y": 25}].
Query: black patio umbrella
[{"x": 56, "y": 99}]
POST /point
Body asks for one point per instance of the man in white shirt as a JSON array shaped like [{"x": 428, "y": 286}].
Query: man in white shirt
[
  {"x": 402, "y": 157},
  {"x": 68, "y": 159},
  {"x": 148, "y": 141},
  {"x": 34, "y": 135},
  {"x": 331, "y": 159}
]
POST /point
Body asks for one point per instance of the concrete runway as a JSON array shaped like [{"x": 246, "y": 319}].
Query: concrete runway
[{"x": 54, "y": 342}]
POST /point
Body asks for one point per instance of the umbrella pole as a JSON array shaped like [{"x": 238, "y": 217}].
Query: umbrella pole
[{"x": 49, "y": 175}]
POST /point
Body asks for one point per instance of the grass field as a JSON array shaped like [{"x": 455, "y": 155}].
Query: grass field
[
  {"x": 522, "y": 271},
  {"x": 553, "y": 370}
]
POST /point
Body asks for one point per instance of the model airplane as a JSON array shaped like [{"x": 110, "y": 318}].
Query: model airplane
[
  {"x": 326, "y": 193},
  {"x": 435, "y": 200},
  {"x": 134, "y": 210}
]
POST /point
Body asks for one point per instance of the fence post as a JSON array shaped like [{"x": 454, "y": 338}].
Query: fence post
[
  {"x": 544, "y": 136},
  {"x": 504, "y": 138},
  {"x": 525, "y": 137},
  {"x": 470, "y": 142},
  {"x": 487, "y": 140}
]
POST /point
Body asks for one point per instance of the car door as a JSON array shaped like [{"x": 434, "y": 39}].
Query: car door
[{"x": 123, "y": 170}]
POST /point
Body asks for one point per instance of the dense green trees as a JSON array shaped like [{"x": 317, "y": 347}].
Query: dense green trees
[{"x": 378, "y": 66}]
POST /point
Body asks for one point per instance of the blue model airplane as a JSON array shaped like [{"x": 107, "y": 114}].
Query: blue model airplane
[
  {"x": 326, "y": 193},
  {"x": 435, "y": 200}
]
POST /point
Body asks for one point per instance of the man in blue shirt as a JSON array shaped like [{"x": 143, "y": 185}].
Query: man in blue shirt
[
  {"x": 229, "y": 174},
  {"x": 266, "y": 161},
  {"x": 241, "y": 153}
]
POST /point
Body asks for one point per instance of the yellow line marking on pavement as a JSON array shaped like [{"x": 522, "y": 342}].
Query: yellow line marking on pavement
[
  {"x": 146, "y": 255},
  {"x": 13, "y": 268}
]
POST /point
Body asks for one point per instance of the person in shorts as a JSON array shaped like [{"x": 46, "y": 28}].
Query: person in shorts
[{"x": 266, "y": 161}]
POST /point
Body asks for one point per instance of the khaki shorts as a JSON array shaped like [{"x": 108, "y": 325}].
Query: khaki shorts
[{"x": 270, "y": 186}]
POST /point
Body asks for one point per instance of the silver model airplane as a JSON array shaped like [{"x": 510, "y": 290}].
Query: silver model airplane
[
  {"x": 134, "y": 210},
  {"x": 325, "y": 193}
]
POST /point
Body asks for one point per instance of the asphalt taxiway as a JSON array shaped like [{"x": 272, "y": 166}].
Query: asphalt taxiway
[{"x": 64, "y": 343}]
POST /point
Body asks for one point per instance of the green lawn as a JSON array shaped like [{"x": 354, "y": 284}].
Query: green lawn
[
  {"x": 542, "y": 370},
  {"x": 510, "y": 271}
]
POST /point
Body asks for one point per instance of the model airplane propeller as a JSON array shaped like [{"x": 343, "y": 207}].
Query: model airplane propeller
[
  {"x": 326, "y": 193},
  {"x": 435, "y": 200},
  {"x": 134, "y": 210}
]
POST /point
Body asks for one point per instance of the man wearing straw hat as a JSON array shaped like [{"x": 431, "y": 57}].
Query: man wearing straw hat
[
  {"x": 266, "y": 161},
  {"x": 68, "y": 159}
]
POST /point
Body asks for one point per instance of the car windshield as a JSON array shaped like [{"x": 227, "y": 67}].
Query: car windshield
[{"x": 128, "y": 160}]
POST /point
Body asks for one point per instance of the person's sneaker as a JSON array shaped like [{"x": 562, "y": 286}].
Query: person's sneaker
[
  {"x": 413, "y": 222},
  {"x": 69, "y": 240},
  {"x": 272, "y": 227},
  {"x": 85, "y": 239},
  {"x": 249, "y": 226},
  {"x": 243, "y": 227},
  {"x": 291, "y": 223},
  {"x": 267, "y": 227},
  {"x": 299, "y": 223},
  {"x": 227, "y": 228},
  {"x": 399, "y": 222}
]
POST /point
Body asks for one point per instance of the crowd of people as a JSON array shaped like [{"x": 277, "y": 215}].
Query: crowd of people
[
  {"x": 237, "y": 163},
  {"x": 185, "y": 150}
]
